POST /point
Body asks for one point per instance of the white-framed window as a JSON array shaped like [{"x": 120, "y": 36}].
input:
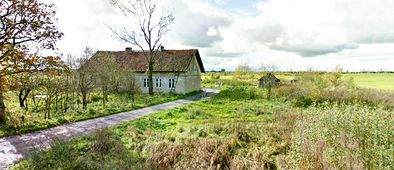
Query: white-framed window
[
  {"x": 158, "y": 82},
  {"x": 171, "y": 83},
  {"x": 146, "y": 82}
]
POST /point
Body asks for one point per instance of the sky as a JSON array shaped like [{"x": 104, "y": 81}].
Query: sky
[{"x": 293, "y": 35}]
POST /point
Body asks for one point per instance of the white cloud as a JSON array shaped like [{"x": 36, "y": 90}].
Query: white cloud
[
  {"x": 294, "y": 34},
  {"x": 212, "y": 31},
  {"x": 310, "y": 27},
  {"x": 193, "y": 19}
]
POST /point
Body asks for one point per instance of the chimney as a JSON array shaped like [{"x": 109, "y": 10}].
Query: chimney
[
  {"x": 129, "y": 49},
  {"x": 161, "y": 48}
]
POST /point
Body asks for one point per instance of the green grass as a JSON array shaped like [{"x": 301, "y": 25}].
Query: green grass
[
  {"x": 206, "y": 122},
  {"x": 321, "y": 122},
  {"x": 226, "y": 132},
  {"x": 35, "y": 120},
  {"x": 382, "y": 81}
]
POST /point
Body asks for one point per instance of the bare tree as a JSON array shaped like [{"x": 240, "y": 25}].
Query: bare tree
[
  {"x": 268, "y": 68},
  {"x": 85, "y": 76},
  {"x": 106, "y": 71},
  {"x": 152, "y": 25},
  {"x": 52, "y": 88}
]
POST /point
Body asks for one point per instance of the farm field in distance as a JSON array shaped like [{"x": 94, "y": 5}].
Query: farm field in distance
[
  {"x": 321, "y": 122},
  {"x": 380, "y": 81}
]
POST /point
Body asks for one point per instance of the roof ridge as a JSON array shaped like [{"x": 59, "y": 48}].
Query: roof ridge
[{"x": 176, "y": 60}]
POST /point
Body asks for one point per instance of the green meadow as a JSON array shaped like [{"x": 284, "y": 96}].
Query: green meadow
[{"x": 382, "y": 81}]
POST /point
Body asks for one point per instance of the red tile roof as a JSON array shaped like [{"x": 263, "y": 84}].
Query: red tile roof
[{"x": 167, "y": 60}]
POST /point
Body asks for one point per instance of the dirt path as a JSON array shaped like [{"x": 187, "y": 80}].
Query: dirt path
[{"x": 14, "y": 148}]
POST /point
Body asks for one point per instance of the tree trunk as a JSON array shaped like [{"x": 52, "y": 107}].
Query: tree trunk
[
  {"x": 23, "y": 96},
  {"x": 105, "y": 95},
  {"x": 48, "y": 107},
  {"x": 2, "y": 108},
  {"x": 56, "y": 103},
  {"x": 84, "y": 101},
  {"x": 150, "y": 77}
]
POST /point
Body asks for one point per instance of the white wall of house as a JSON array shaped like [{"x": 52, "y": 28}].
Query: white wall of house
[{"x": 185, "y": 82}]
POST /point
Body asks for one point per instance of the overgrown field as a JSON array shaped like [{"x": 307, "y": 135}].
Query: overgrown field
[{"x": 320, "y": 123}]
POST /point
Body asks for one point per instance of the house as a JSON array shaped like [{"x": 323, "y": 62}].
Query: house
[
  {"x": 177, "y": 71},
  {"x": 268, "y": 80}
]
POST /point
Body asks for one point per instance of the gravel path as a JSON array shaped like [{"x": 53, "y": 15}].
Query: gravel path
[{"x": 15, "y": 148}]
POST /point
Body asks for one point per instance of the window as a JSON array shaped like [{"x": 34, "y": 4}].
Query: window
[
  {"x": 146, "y": 82},
  {"x": 158, "y": 83},
  {"x": 171, "y": 83}
]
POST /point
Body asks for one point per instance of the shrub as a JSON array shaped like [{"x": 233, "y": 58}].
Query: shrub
[
  {"x": 196, "y": 112},
  {"x": 103, "y": 142},
  {"x": 92, "y": 111},
  {"x": 213, "y": 76},
  {"x": 239, "y": 93},
  {"x": 202, "y": 133},
  {"x": 303, "y": 101},
  {"x": 95, "y": 97}
]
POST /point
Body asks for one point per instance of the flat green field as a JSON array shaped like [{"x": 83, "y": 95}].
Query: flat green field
[{"x": 382, "y": 81}]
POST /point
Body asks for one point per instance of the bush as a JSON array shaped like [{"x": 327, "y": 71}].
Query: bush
[
  {"x": 239, "y": 93},
  {"x": 202, "y": 133},
  {"x": 303, "y": 101},
  {"x": 213, "y": 76},
  {"x": 196, "y": 112},
  {"x": 95, "y": 97}
]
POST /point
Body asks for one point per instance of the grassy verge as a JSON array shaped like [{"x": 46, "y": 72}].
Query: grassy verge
[{"x": 117, "y": 104}]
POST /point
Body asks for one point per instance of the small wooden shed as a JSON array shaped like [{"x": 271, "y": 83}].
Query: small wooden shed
[{"x": 268, "y": 80}]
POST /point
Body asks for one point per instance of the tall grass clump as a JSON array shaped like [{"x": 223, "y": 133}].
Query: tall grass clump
[
  {"x": 239, "y": 93},
  {"x": 344, "y": 137}
]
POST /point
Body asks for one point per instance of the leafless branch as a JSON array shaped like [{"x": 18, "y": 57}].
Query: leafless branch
[{"x": 150, "y": 27}]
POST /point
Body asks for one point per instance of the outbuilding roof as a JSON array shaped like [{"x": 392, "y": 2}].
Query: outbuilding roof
[
  {"x": 167, "y": 60},
  {"x": 269, "y": 76}
]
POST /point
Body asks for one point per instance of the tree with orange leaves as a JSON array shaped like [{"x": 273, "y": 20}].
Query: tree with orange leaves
[{"x": 24, "y": 26}]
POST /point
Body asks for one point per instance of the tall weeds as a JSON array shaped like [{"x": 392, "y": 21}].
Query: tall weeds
[{"x": 344, "y": 137}]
